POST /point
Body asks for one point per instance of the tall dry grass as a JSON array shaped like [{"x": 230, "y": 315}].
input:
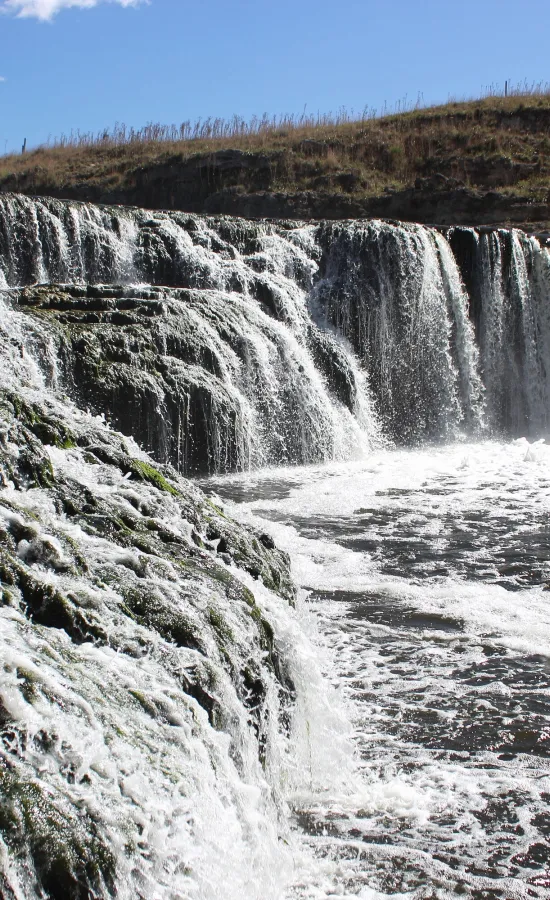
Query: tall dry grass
[{"x": 238, "y": 128}]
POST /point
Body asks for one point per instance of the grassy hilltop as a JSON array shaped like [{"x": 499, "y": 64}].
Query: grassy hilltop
[{"x": 480, "y": 162}]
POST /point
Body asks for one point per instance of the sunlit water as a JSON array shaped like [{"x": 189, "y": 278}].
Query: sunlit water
[
  {"x": 426, "y": 572},
  {"x": 418, "y": 765}
]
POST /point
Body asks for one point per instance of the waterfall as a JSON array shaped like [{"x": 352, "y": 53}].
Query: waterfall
[
  {"x": 530, "y": 285},
  {"x": 161, "y": 703},
  {"x": 396, "y": 293},
  {"x": 243, "y": 344},
  {"x": 508, "y": 274},
  {"x": 216, "y": 364},
  {"x": 155, "y": 677}
]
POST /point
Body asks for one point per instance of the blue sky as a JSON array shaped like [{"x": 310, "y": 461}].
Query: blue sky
[{"x": 85, "y": 64}]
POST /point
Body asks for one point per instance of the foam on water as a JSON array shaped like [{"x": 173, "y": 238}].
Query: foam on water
[
  {"x": 428, "y": 572},
  {"x": 108, "y": 729}
]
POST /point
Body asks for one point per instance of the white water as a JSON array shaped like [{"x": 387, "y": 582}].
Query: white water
[
  {"x": 416, "y": 761},
  {"x": 245, "y": 379},
  {"x": 427, "y": 572},
  {"x": 438, "y": 360},
  {"x": 106, "y": 730}
]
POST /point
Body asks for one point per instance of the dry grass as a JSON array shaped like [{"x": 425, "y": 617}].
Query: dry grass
[{"x": 496, "y": 142}]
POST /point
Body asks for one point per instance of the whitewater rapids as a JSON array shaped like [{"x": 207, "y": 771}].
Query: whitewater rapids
[{"x": 427, "y": 571}]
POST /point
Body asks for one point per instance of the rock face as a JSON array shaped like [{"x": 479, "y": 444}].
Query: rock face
[
  {"x": 449, "y": 204},
  {"x": 163, "y": 365},
  {"x": 224, "y": 370},
  {"x": 453, "y": 326},
  {"x": 153, "y": 673},
  {"x": 246, "y": 184}
]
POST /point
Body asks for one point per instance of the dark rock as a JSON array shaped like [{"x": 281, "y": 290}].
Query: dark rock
[{"x": 313, "y": 148}]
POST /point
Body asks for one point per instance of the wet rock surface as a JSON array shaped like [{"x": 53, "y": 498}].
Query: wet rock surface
[
  {"x": 221, "y": 343},
  {"x": 159, "y": 364},
  {"x": 110, "y": 560},
  {"x": 156, "y": 694}
]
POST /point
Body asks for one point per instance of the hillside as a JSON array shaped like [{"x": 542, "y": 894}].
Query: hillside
[{"x": 482, "y": 162}]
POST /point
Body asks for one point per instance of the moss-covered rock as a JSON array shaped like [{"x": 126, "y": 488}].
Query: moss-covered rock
[
  {"x": 107, "y": 558},
  {"x": 70, "y": 859},
  {"x": 144, "y": 471}
]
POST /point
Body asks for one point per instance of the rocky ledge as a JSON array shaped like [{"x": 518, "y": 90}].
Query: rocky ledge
[
  {"x": 158, "y": 364},
  {"x": 247, "y": 184}
]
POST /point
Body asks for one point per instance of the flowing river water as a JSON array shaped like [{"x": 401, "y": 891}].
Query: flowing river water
[
  {"x": 171, "y": 728},
  {"x": 425, "y": 572}
]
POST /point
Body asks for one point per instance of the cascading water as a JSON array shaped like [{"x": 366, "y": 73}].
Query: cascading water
[
  {"x": 396, "y": 294},
  {"x": 277, "y": 302},
  {"x": 163, "y": 706},
  {"x": 154, "y": 679},
  {"x": 508, "y": 274},
  {"x": 220, "y": 369}
]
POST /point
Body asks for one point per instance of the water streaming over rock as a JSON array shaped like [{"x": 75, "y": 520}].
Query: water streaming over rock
[
  {"x": 396, "y": 293},
  {"x": 162, "y": 702},
  {"x": 507, "y": 274},
  {"x": 449, "y": 333},
  {"x": 154, "y": 676},
  {"x": 220, "y": 368}
]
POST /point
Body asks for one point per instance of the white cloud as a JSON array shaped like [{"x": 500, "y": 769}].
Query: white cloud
[
  {"x": 2, "y": 78},
  {"x": 47, "y": 9}
]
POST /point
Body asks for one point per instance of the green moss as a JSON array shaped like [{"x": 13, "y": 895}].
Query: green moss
[
  {"x": 7, "y": 597},
  {"x": 150, "y": 610},
  {"x": 268, "y": 634},
  {"x": 71, "y": 860},
  {"x": 28, "y": 685},
  {"x": 39, "y": 469},
  {"x": 266, "y": 631},
  {"x": 47, "y": 428},
  {"x": 216, "y": 509},
  {"x": 45, "y": 605},
  {"x": 145, "y": 703},
  {"x": 255, "y": 613},
  {"x": 219, "y": 625},
  {"x": 145, "y": 472},
  {"x": 234, "y": 589},
  {"x": 79, "y": 558}
]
